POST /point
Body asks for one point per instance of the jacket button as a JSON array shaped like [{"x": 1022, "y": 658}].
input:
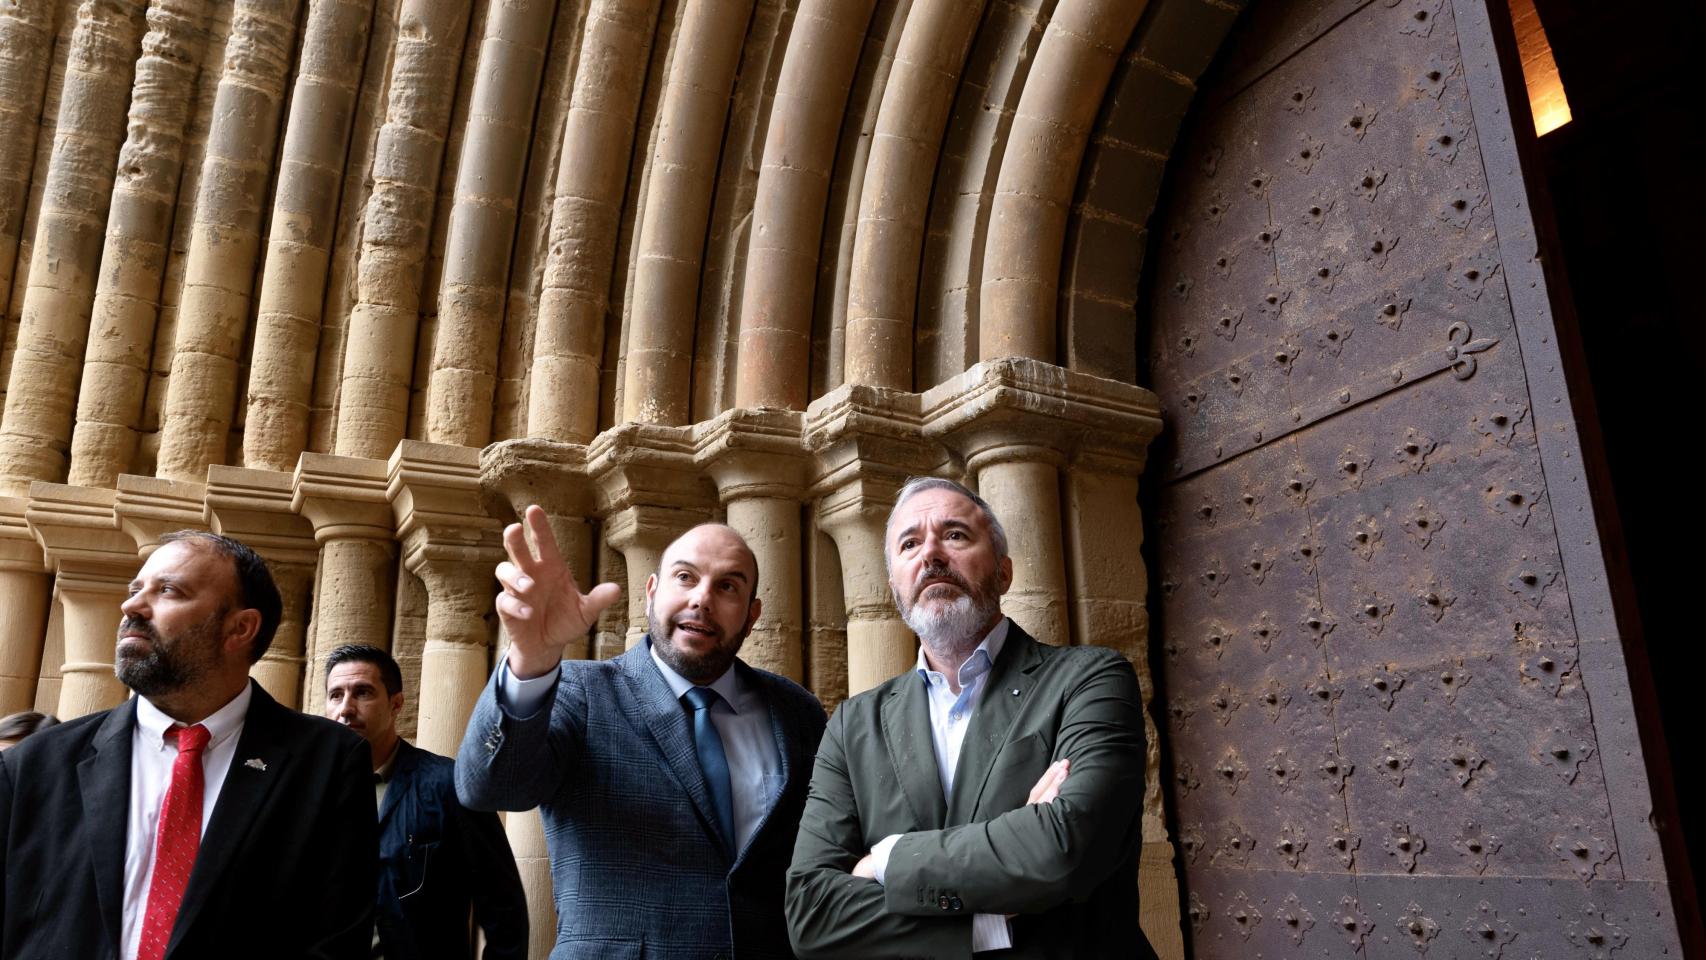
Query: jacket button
[
  {"x": 942, "y": 902},
  {"x": 955, "y": 904}
]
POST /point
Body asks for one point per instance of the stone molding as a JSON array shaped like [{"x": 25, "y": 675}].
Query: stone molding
[
  {"x": 435, "y": 495},
  {"x": 254, "y": 506},
  {"x": 150, "y": 507},
  {"x": 80, "y": 538},
  {"x": 343, "y": 497},
  {"x": 19, "y": 550}
]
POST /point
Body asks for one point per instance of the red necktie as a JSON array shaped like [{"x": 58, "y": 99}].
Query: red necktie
[{"x": 175, "y": 848}]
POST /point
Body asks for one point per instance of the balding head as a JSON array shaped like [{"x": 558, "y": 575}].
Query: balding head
[
  {"x": 702, "y": 601},
  {"x": 717, "y": 536}
]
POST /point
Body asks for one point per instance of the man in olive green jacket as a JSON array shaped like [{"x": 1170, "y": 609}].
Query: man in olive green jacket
[{"x": 988, "y": 800}]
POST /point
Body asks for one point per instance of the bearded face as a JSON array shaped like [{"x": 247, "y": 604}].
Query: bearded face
[
  {"x": 945, "y": 609},
  {"x": 154, "y": 663}
]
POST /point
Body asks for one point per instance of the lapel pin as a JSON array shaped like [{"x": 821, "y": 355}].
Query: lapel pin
[
  {"x": 1015, "y": 691},
  {"x": 256, "y": 764}
]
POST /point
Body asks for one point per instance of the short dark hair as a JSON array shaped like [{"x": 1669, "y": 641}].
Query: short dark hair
[
  {"x": 255, "y": 587},
  {"x": 17, "y": 726},
  {"x": 389, "y": 672},
  {"x": 917, "y": 485}
]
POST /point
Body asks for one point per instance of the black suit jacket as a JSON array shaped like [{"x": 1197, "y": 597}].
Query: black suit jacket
[
  {"x": 287, "y": 863},
  {"x": 638, "y": 868},
  {"x": 437, "y": 858}
]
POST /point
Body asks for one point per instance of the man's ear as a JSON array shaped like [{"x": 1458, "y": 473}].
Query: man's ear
[
  {"x": 1006, "y": 573},
  {"x": 753, "y": 612},
  {"x": 397, "y": 703},
  {"x": 651, "y": 586},
  {"x": 241, "y": 627}
]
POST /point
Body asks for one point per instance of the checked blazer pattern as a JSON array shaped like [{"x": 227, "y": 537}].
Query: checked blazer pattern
[{"x": 636, "y": 864}]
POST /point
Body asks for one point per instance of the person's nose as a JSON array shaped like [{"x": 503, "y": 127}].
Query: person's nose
[
  {"x": 133, "y": 605},
  {"x": 931, "y": 552}
]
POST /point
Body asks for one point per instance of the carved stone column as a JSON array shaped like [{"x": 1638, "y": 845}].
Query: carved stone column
[
  {"x": 516, "y": 473},
  {"x": 254, "y": 506},
  {"x": 94, "y": 562},
  {"x": 1013, "y": 447},
  {"x": 451, "y": 543},
  {"x": 25, "y": 595},
  {"x": 760, "y": 469},
  {"x": 344, "y": 499},
  {"x": 650, "y": 491},
  {"x": 1020, "y": 422},
  {"x": 867, "y": 443}
]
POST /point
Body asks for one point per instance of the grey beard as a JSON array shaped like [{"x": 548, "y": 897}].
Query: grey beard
[{"x": 950, "y": 629}]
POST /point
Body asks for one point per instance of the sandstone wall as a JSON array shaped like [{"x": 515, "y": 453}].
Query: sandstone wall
[{"x": 354, "y": 280}]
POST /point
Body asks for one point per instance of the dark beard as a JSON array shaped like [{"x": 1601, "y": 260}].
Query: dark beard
[
  {"x": 165, "y": 668},
  {"x": 697, "y": 669}
]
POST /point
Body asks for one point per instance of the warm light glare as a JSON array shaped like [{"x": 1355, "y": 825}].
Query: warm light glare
[{"x": 1546, "y": 98}]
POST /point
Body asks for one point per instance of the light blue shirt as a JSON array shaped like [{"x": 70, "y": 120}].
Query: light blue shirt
[
  {"x": 950, "y": 716},
  {"x": 742, "y": 719}
]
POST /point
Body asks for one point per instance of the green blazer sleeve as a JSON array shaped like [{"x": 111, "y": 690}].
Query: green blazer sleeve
[
  {"x": 1039, "y": 856},
  {"x": 832, "y": 913}
]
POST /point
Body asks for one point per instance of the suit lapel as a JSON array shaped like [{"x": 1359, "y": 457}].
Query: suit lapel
[
  {"x": 906, "y": 731},
  {"x": 245, "y": 790},
  {"x": 103, "y": 777},
  {"x": 787, "y": 742},
  {"x": 655, "y": 708},
  {"x": 992, "y": 721}
]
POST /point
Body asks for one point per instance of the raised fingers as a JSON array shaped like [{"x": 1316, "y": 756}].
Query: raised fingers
[
  {"x": 515, "y": 544},
  {"x": 544, "y": 541},
  {"x": 514, "y": 581}
]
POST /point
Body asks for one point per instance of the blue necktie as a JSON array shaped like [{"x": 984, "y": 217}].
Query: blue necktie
[{"x": 708, "y": 743}]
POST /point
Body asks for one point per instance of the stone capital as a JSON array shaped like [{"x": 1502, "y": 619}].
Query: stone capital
[
  {"x": 434, "y": 490},
  {"x": 639, "y": 464},
  {"x": 515, "y": 473},
  {"x": 19, "y": 551},
  {"x": 866, "y": 442},
  {"x": 150, "y": 507},
  {"x": 254, "y": 506},
  {"x": 755, "y": 453},
  {"x": 343, "y": 497},
  {"x": 80, "y": 537},
  {"x": 646, "y": 527},
  {"x": 1021, "y": 409}
]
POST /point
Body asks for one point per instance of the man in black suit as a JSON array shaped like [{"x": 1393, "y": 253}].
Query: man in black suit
[
  {"x": 199, "y": 818},
  {"x": 437, "y": 859}
]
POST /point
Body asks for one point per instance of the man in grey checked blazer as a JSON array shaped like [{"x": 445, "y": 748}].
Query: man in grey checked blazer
[{"x": 669, "y": 828}]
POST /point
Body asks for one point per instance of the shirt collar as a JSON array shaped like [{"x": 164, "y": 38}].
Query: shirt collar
[
  {"x": 728, "y": 686},
  {"x": 220, "y": 724},
  {"x": 383, "y": 773},
  {"x": 981, "y": 659}
]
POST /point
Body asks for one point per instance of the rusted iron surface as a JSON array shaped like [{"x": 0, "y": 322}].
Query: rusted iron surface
[{"x": 1377, "y": 709}]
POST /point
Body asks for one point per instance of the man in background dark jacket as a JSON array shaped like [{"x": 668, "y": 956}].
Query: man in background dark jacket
[{"x": 437, "y": 859}]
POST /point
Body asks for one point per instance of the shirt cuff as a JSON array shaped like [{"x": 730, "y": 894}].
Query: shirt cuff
[
  {"x": 523, "y": 698},
  {"x": 880, "y": 856},
  {"x": 989, "y": 931}
]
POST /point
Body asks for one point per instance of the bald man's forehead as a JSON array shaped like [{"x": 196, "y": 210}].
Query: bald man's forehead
[{"x": 712, "y": 544}]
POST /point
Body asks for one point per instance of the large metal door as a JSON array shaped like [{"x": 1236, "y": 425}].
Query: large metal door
[{"x": 1396, "y": 699}]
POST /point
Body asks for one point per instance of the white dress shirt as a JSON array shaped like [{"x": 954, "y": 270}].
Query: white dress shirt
[
  {"x": 950, "y": 716},
  {"x": 742, "y": 719},
  {"x": 151, "y": 760}
]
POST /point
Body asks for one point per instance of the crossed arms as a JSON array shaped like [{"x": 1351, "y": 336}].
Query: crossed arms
[{"x": 1021, "y": 861}]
